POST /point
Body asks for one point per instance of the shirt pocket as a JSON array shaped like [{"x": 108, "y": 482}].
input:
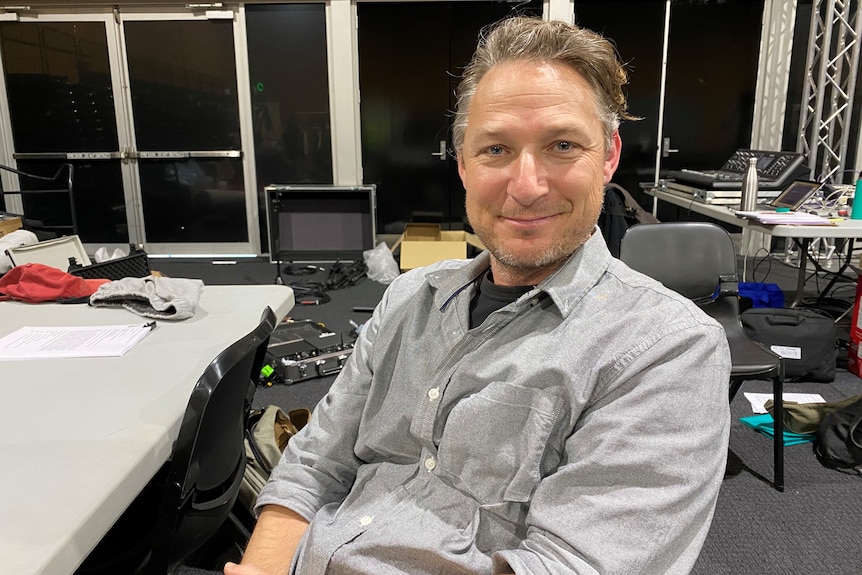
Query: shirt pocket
[{"x": 494, "y": 440}]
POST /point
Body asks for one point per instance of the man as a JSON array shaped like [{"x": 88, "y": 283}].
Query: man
[{"x": 539, "y": 409}]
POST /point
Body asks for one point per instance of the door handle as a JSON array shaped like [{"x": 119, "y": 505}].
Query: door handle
[
  {"x": 442, "y": 153},
  {"x": 666, "y": 150}
]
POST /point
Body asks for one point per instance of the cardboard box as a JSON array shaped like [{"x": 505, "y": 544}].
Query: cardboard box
[
  {"x": 9, "y": 225},
  {"x": 423, "y": 244}
]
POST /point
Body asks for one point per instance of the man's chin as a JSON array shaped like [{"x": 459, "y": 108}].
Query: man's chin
[
  {"x": 532, "y": 254},
  {"x": 530, "y": 259}
]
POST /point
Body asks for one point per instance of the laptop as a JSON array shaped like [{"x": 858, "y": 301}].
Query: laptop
[{"x": 795, "y": 194}]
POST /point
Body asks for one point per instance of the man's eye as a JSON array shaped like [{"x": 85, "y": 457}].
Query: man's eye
[
  {"x": 495, "y": 150},
  {"x": 565, "y": 146}
]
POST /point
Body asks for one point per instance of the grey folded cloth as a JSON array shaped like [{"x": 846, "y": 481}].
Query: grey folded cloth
[{"x": 155, "y": 297}]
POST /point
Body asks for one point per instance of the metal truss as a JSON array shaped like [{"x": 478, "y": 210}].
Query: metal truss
[{"x": 827, "y": 102}]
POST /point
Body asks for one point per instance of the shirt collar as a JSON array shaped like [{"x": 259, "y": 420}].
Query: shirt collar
[{"x": 566, "y": 286}]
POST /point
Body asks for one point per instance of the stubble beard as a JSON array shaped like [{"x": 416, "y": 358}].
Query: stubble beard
[{"x": 550, "y": 257}]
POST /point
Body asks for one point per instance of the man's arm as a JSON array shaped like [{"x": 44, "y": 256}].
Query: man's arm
[
  {"x": 324, "y": 444},
  {"x": 273, "y": 543}
]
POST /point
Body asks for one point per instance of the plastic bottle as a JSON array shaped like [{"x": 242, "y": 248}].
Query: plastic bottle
[
  {"x": 856, "y": 210},
  {"x": 750, "y": 186}
]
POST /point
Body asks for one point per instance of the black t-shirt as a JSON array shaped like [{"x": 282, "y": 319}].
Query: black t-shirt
[{"x": 490, "y": 297}]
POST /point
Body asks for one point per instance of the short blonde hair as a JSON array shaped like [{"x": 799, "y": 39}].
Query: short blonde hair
[{"x": 533, "y": 39}]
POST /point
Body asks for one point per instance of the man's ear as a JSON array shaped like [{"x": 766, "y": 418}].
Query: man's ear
[
  {"x": 613, "y": 158},
  {"x": 460, "y": 158}
]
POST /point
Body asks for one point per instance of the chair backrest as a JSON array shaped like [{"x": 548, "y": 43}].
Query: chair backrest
[
  {"x": 208, "y": 460},
  {"x": 695, "y": 259}
]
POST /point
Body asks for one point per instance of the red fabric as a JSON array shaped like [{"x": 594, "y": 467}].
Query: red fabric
[{"x": 35, "y": 283}]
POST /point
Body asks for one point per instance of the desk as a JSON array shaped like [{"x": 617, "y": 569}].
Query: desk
[
  {"x": 846, "y": 229},
  {"x": 79, "y": 438}
]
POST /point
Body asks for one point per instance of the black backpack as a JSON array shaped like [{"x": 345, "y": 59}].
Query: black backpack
[
  {"x": 620, "y": 211},
  {"x": 838, "y": 442}
]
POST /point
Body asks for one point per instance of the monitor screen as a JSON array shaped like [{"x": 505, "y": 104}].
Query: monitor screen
[{"x": 322, "y": 222}]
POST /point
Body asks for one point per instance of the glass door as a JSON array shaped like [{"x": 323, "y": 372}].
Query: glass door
[
  {"x": 59, "y": 100},
  {"x": 185, "y": 139},
  {"x": 146, "y": 108}
]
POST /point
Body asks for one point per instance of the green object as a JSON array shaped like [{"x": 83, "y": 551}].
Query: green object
[
  {"x": 856, "y": 212},
  {"x": 765, "y": 424},
  {"x": 266, "y": 370},
  {"x": 806, "y": 417},
  {"x": 782, "y": 210}
]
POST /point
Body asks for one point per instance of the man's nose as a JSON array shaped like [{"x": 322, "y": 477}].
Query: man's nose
[{"x": 529, "y": 181}]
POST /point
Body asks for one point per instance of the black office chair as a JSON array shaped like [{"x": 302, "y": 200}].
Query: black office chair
[
  {"x": 192, "y": 496},
  {"x": 698, "y": 260}
]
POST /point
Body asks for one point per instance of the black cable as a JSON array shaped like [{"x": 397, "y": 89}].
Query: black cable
[
  {"x": 767, "y": 259},
  {"x": 301, "y": 270},
  {"x": 309, "y": 293},
  {"x": 341, "y": 275}
]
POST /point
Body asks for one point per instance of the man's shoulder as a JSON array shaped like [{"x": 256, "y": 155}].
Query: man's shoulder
[{"x": 652, "y": 298}]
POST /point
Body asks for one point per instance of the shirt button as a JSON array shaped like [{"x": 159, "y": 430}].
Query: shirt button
[
  {"x": 430, "y": 464},
  {"x": 366, "y": 521},
  {"x": 433, "y": 393}
]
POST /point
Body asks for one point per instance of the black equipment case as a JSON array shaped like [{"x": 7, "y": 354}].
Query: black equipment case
[{"x": 805, "y": 338}]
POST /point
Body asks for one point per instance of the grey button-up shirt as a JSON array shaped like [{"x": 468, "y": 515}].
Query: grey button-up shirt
[{"x": 580, "y": 429}]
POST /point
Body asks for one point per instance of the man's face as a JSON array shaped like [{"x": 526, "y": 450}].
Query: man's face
[{"x": 534, "y": 166}]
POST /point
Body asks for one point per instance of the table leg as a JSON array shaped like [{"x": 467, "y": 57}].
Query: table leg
[
  {"x": 800, "y": 278},
  {"x": 778, "y": 435}
]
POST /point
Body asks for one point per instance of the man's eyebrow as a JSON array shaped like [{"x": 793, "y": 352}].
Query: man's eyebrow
[{"x": 485, "y": 132}]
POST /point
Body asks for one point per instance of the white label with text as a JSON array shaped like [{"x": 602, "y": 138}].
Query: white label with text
[{"x": 787, "y": 352}]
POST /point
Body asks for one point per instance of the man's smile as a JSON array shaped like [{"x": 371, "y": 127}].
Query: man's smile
[{"x": 528, "y": 221}]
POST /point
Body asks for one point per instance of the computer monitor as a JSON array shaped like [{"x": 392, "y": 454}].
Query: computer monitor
[{"x": 319, "y": 223}]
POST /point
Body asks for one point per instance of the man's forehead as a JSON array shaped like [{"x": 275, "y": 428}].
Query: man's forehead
[
  {"x": 533, "y": 84},
  {"x": 520, "y": 92}
]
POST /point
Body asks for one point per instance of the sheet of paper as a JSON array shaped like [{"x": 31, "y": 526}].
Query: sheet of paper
[
  {"x": 791, "y": 218},
  {"x": 758, "y": 400},
  {"x": 76, "y": 341}
]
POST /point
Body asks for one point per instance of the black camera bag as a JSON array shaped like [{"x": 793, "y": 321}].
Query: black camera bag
[{"x": 805, "y": 338}]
